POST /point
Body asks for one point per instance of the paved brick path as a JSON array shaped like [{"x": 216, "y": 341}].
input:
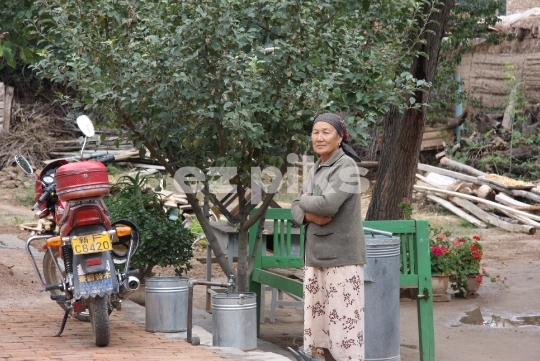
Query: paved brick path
[
  {"x": 29, "y": 319},
  {"x": 26, "y": 334}
]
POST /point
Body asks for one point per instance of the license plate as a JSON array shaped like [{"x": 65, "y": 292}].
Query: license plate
[{"x": 91, "y": 243}]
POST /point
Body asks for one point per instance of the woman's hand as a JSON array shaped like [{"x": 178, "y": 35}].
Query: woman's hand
[
  {"x": 318, "y": 220},
  {"x": 314, "y": 218}
]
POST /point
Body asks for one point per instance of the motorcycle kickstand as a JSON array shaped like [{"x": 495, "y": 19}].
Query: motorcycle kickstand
[{"x": 64, "y": 320}]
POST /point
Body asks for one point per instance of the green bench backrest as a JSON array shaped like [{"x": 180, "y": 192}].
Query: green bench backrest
[{"x": 414, "y": 236}]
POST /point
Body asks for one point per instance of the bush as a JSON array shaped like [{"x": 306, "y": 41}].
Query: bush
[{"x": 163, "y": 242}]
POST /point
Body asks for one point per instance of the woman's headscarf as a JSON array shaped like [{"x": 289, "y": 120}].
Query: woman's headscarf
[{"x": 341, "y": 128}]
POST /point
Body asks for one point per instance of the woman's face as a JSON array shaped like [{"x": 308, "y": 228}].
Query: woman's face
[{"x": 325, "y": 139}]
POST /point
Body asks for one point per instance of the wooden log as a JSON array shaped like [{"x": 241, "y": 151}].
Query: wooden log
[
  {"x": 142, "y": 165},
  {"x": 126, "y": 155},
  {"x": 457, "y": 175},
  {"x": 486, "y": 192},
  {"x": 491, "y": 219},
  {"x": 143, "y": 172},
  {"x": 526, "y": 194},
  {"x": 461, "y": 167},
  {"x": 523, "y": 152},
  {"x": 476, "y": 199},
  {"x": 457, "y": 211},
  {"x": 522, "y": 219},
  {"x": 461, "y": 176},
  {"x": 492, "y": 120},
  {"x": 509, "y": 201},
  {"x": 440, "y": 154}
]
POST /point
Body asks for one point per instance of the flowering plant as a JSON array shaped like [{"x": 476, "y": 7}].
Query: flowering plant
[
  {"x": 458, "y": 258},
  {"x": 443, "y": 260},
  {"x": 406, "y": 207},
  {"x": 469, "y": 254}
]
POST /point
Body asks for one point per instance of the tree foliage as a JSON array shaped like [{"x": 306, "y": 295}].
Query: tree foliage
[
  {"x": 229, "y": 83},
  {"x": 17, "y": 44}
]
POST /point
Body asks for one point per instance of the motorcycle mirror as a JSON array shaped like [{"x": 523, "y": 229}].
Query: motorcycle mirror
[
  {"x": 24, "y": 164},
  {"x": 85, "y": 125}
]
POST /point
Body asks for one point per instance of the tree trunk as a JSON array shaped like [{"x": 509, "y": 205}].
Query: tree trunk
[{"x": 403, "y": 132}]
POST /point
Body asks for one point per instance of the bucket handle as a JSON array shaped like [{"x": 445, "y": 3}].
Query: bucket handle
[{"x": 377, "y": 231}]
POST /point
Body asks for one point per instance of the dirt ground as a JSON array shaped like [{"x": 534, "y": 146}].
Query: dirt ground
[{"x": 502, "y": 323}]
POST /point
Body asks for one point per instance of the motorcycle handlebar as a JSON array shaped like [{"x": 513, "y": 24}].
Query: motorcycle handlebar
[{"x": 41, "y": 199}]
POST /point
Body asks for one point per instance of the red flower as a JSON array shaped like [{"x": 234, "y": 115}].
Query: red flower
[
  {"x": 441, "y": 236},
  {"x": 437, "y": 251},
  {"x": 405, "y": 199},
  {"x": 476, "y": 252},
  {"x": 479, "y": 278},
  {"x": 476, "y": 238},
  {"x": 444, "y": 250},
  {"x": 483, "y": 270},
  {"x": 462, "y": 240},
  {"x": 456, "y": 243}
]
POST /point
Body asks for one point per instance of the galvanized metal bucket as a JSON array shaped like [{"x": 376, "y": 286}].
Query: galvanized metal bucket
[
  {"x": 381, "y": 289},
  {"x": 166, "y": 304},
  {"x": 234, "y": 320}
]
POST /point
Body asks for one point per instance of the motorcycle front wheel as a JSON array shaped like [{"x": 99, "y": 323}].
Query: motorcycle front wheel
[
  {"x": 99, "y": 318},
  {"x": 52, "y": 276}
]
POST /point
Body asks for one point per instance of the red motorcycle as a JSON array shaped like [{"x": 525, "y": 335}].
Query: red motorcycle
[{"x": 86, "y": 264}]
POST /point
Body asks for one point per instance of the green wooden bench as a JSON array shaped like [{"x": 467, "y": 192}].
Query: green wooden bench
[{"x": 415, "y": 266}]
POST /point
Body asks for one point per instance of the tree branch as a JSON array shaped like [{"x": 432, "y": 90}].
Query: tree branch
[{"x": 262, "y": 210}]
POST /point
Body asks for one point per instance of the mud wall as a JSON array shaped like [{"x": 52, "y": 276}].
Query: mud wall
[
  {"x": 483, "y": 70},
  {"x": 519, "y": 6}
]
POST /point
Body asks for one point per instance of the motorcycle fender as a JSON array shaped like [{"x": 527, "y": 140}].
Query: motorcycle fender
[{"x": 98, "y": 280}]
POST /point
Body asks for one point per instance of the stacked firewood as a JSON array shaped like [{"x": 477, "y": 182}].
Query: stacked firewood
[{"x": 481, "y": 198}]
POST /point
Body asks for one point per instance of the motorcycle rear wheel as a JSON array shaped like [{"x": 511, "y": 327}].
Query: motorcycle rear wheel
[
  {"x": 99, "y": 318},
  {"x": 52, "y": 276}
]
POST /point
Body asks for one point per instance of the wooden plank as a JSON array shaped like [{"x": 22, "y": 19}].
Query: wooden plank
[
  {"x": 491, "y": 219},
  {"x": 457, "y": 211},
  {"x": 478, "y": 200},
  {"x": 431, "y": 136},
  {"x": 276, "y": 281},
  {"x": 294, "y": 273},
  {"x": 432, "y": 144}
]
